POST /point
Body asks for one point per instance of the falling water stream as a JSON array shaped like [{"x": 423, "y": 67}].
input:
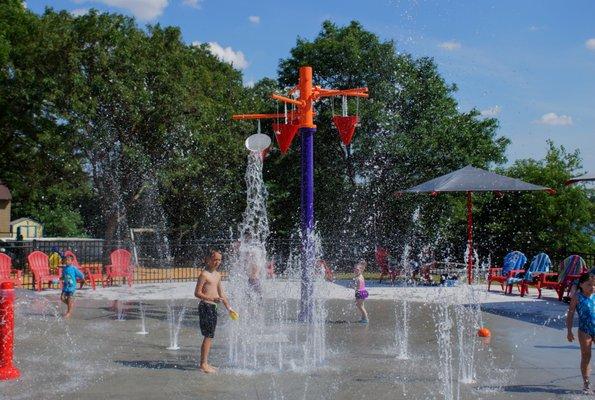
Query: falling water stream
[{"x": 267, "y": 337}]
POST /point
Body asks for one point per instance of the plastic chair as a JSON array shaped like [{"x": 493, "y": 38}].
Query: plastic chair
[
  {"x": 570, "y": 269},
  {"x": 270, "y": 269},
  {"x": 540, "y": 264},
  {"x": 40, "y": 267},
  {"x": 382, "y": 261},
  {"x": 7, "y": 273},
  {"x": 511, "y": 266},
  {"x": 323, "y": 268},
  {"x": 92, "y": 274},
  {"x": 120, "y": 267}
]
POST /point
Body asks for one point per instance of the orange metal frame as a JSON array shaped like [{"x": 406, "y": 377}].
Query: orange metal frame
[{"x": 308, "y": 95}]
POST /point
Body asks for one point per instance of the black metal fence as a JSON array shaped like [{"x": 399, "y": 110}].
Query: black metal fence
[{"x": 159, "y": 261}]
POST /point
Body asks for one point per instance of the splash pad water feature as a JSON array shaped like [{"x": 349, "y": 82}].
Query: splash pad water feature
[
  {"x": 262, "y": 340},
  {"x": 307, "y": 93},
  {"x": 270, "y": 340}
]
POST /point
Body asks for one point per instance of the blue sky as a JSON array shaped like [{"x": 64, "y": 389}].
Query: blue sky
[{"x": 529, "y": 63}]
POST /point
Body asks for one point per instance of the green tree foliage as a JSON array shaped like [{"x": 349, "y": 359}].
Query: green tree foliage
[
  {"x": 37, "y": 162},
  {"x": 124, "y": 119},
  {"x": 536, "y": 221},
  {"x": 411, "y": 131},
  {"x": 105, "y": 126}
]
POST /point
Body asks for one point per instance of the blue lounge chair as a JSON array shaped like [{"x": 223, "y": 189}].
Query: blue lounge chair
[
  {"x": 511, "y": 266},
  {"x": 540, "y": 264}
]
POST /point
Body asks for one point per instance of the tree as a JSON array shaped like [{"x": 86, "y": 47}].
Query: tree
[
  {"x": 37, "y": 160},
  {"x": 534, "y": 222},
  {"x": 411, "y": 131},
  {"x": 111, "y": 126},
  {"x": 150, "y": 115}
]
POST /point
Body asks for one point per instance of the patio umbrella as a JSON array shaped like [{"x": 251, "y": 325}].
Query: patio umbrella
[
  {"x": 470, "y": 179},
  {"x": 589, "y": 176}
]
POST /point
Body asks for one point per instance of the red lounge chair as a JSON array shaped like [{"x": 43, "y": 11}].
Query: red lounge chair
[
  {"x": 92, "y": 274},
  {"x": 39, "y": 265},
  {"x": 382, "y": 261},
  {"x": 271, "y": 269},
  {"x": 511, "y": 266},
  {"x": 570, "y": 269},
  {"x": 120, "y": 267},
  {"x": 6, "y": 271},
  {"x": 328, "y": 273}
]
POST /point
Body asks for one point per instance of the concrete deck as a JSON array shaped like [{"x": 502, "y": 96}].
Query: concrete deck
[{"x": 96, "y": 356}]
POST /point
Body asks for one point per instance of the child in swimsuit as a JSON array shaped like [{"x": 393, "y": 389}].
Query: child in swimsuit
[
  {"x": 584, "y": 303},
  {"x": 210, "y": 292},
  {"x": 70, "y": 274},
  {"x": 361, "y": 294}
]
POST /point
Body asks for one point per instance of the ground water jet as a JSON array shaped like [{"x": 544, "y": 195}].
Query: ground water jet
[
  {"x": 402, "y": 329},
  {"x": 143, "y": 326},
  {"x": 174, "y": 320},
  {"x": 119, "y": 310},
  {"x": 444, "y": 323}
]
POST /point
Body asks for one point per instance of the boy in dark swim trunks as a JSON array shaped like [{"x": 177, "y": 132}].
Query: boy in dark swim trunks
[{"x": 210, "y": 292}]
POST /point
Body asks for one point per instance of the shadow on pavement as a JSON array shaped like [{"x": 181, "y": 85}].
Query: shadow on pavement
[
  {"x": 538, "y": 389},
  {"x": 543, "y": 313},
  {"x": 153, "y": 364}
]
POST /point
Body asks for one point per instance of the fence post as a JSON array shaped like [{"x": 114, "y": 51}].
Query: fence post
[{"x": 7, "y": 369}]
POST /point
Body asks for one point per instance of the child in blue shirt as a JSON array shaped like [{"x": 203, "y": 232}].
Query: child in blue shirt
[{"x": 70, "y": 273}]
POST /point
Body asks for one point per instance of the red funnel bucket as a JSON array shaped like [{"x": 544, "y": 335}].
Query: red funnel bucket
[
  {"x": 346, "y": 127},
  {"x": 285, "y": 134}
]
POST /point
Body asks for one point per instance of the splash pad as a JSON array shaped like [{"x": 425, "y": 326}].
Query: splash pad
[{"x": 303, "y": 96}]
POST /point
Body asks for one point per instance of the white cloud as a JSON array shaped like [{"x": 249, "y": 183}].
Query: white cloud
[
  {"x": 77, "y": 12},
  {"x": 255, "y": 19},
  {"x": 144, "y": 10},
  {"x": 193, "y": 3},
  {"x": 554, "y": 119},
  {"x": 450, "y": 45},
  {"x": 491, "y": 112},
  {"x": 590, "y": 44},
  {"x": 227, "y": 54}
]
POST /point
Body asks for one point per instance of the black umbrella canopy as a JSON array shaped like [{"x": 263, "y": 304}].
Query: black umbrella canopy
[{"x": 471, "y": 179}]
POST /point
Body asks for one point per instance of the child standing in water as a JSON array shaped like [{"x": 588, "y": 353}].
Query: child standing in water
[
  {"x": 70, "y": 274},
  {"x": 361, "y": 294},
  {"x": 584, "y": 304},
  {"x": 210, "y": 292}
]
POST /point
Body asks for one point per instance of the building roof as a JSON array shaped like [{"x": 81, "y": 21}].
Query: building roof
[
  {"x": 16, "y": 221},
  {"x": 4, "y": 192}
]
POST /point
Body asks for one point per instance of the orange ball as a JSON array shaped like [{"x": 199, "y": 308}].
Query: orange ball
[{"x": 484, "y": 332}]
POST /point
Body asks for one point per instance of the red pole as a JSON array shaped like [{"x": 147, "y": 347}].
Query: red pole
[
  {"x": 469, "y": 237},
  {"x": 7, "y": 369}
]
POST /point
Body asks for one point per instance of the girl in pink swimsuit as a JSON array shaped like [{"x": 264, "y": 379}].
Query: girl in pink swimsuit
[{"x": 361, "y": 294}]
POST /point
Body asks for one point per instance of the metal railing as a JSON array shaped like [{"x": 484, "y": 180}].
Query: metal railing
[{"x": 156, "y": 261}]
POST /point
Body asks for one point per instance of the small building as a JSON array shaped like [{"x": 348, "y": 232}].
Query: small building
[
  {"x": 5, "y": 202},
  {"x": 27, "y": 228}
]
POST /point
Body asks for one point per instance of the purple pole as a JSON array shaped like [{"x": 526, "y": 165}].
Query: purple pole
[{"x": 307, "y": 223}]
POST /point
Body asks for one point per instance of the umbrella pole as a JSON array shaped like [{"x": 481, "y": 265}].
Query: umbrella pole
[{"x": 469, "y": 237}]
